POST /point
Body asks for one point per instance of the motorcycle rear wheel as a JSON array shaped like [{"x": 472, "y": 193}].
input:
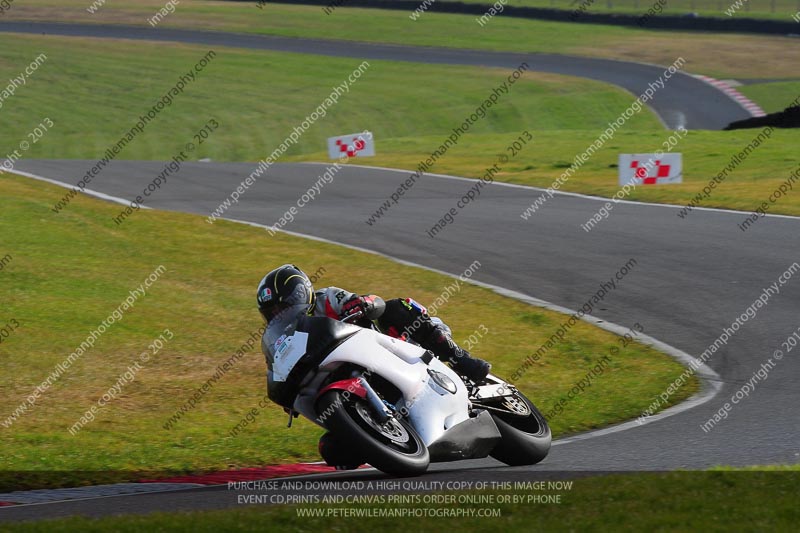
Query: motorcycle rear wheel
[
  {"x": 525, "y": 433},
  {"x": 393, "y": 447}
]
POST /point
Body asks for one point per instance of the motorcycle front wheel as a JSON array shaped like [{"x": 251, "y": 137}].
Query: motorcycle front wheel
[{"x": 393, "y": 447}]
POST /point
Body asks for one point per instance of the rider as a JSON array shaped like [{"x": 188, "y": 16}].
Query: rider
[{"x": 287, "y": 287}]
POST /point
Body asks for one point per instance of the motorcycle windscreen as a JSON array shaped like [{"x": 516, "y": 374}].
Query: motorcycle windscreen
[
  {"x": 288, "y": 352},
  {"x": 280, "y": 327},
  {"x": 274, "y": 344},
  {"x": 296, "y": 347}
]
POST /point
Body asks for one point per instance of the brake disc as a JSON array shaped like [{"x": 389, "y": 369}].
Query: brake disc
[{"x": 392, "y": 429}]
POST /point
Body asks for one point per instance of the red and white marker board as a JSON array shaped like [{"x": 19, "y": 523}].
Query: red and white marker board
[
  {"x": 650, "y": 169},
  {"x": 351, "y": 145}
]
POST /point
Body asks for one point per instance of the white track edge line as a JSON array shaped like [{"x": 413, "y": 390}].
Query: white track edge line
[
  {"x": 90, "y": 192},
  {"x": 565, "y": 193},
  {"x": 708, "y": 387},
  {"x": 732, "y": 92},
  {"x": 708, "y": 390},
  {"x": 189, "y": 486}
]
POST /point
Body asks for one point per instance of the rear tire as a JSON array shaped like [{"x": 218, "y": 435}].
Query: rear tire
[
  {"x": 393, "y": 447},
  {"x": 526, "y": 436}
]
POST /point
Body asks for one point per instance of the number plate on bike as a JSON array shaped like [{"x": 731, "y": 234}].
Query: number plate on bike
[
  {"x": 289, "y": 352},
  {"x": 492, "y": 391}
]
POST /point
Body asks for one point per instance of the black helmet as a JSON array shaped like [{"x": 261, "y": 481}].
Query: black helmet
[{"x": 282, "y": 288}]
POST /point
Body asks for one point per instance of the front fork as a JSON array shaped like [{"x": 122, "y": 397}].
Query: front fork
[{"x": 379, "y": 410}]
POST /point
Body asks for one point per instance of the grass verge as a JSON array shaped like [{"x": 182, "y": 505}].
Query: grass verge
[
  {"x": 768, "y": 9},
  {"x": 565, "y": 114},
  {"x": 773, "y": 96},
  {"x": 258, "y": 98},
  {"x": 705, "y": 155},
  {"x": 70, "y": 271},
  {"x": 719, "y": 55}
]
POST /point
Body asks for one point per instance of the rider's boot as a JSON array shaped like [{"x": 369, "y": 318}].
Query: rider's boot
[{"x": 472, "y": 368}]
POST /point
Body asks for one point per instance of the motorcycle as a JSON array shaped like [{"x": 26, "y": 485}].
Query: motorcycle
[{"x": 390, "y": 403}]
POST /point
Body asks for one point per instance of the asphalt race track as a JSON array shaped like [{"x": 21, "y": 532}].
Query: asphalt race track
[
  {"x": 693, "y": 277},
  {"x": 684, "y": 101}
]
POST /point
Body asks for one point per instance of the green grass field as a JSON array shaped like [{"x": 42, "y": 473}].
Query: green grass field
[
  {"x": 259, "y": 97},
  {"x": 717, "y": 55},
  {"x": 564, "y": 114},
  {"x": 769, "y": 9},
  {"x": 671, "y": 502},
  {"x": 772, "y": 97},
  {"x": 71, "y": 270},
  {"x": 705, "y": 154}
]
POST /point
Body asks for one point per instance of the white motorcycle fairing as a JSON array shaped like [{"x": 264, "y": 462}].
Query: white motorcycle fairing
[
  {"x": 428, "y": 405},
  {"x": 390, "y": 403}
]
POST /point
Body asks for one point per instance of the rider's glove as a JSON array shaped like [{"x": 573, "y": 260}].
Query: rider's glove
[
  {"x": 353, "y": 308},
  {"x": 370, "y": 306}
]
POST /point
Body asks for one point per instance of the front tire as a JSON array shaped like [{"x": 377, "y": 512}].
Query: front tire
[
  {"x": 525, "y": 433},
  {"x": 393, "y": 447}
]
